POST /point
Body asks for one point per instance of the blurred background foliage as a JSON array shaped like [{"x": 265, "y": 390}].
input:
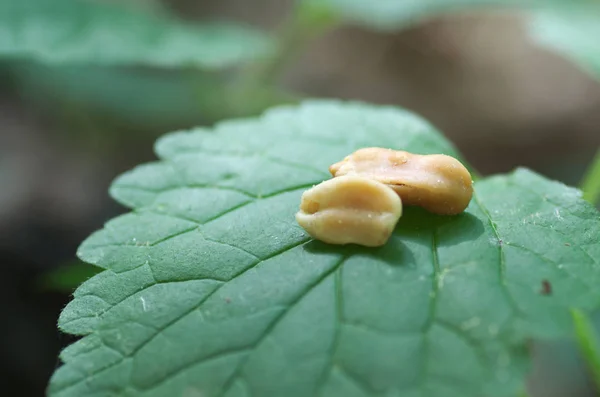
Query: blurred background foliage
[{"x": 86, "y": 86}]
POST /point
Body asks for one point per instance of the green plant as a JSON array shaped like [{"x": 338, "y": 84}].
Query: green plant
[{"x": 211, "y": 288}]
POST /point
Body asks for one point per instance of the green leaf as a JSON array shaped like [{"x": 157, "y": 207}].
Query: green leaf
[
  {"x": 211, "y": 288},
  {"x": 147, "y": 98},
  {"x": 590, "y": 183},
  {"x": 573, "y": 33},
  {"x": 88, "y": 32},
  {"x": 587, "y": 341},
  {"x": 68, "y": 277},
  {"x": 396, "y": 14}
]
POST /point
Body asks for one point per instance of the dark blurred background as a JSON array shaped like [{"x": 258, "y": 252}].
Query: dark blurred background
[{"x": 66, "y": 132}]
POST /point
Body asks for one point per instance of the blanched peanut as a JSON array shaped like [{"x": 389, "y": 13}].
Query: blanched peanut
[
  {"x": 436, "y": 182},
  {"x": 350, "y": 209}
]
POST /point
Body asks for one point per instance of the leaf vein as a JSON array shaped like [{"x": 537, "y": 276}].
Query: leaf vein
[
  {"x": 502, "y": 258},
  {"x": 559, "y": 266},
  {"x": 338, "y": 321},
  {"x": 279, "y": 318},
  {"x": 180, "y": 316},
  {"x": 259, "y": 154}
]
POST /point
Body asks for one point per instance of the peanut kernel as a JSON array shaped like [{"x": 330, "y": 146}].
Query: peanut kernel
[
  {"x": 350, "y": 209},
  {"x": 436, "y": 182}
]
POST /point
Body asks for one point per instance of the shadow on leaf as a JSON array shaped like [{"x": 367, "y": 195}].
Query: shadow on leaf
[{"x": 416, "y": 222}]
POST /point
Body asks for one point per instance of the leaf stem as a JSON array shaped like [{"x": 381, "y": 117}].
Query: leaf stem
[
  {"x": 256, "y": 87},
  {"x": 590, "y": 183},
  {"x": 305, "y": 23},
  {"x": 587, "y": 342}
]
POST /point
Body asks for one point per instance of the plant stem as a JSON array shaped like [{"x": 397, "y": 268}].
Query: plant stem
[
  {"x": 256, "y": 86},
  {"x": 590, "y": 183},
  {"x": 587, "y": 342},
  {"x": 303, "y": 25}
]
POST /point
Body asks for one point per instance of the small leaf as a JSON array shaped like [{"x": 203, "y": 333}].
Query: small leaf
[
  {"x": 573, "y": 33},
  {"x": 587, "y": 342},
  {"x": 88, "y": 32},
  {"x": 68, "y": 277},
  {"x": 212, "y": 289}
]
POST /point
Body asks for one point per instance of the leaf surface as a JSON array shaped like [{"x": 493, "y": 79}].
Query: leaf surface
[{"x": 212, "y": 289}]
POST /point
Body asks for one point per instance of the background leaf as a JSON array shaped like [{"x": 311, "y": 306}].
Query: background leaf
[
  {"x": 67, "y": 277},
  {"x": 212, "y": 288},
  {"x": 86, "y": 32},
  {"x": 571, "y": 32},
  {"x": 147, "y": 98}
]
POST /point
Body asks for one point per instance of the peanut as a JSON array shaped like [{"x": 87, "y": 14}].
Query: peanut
[
  {"x": 350, "y": 209},
  {"x": 436, "y": 182}
]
